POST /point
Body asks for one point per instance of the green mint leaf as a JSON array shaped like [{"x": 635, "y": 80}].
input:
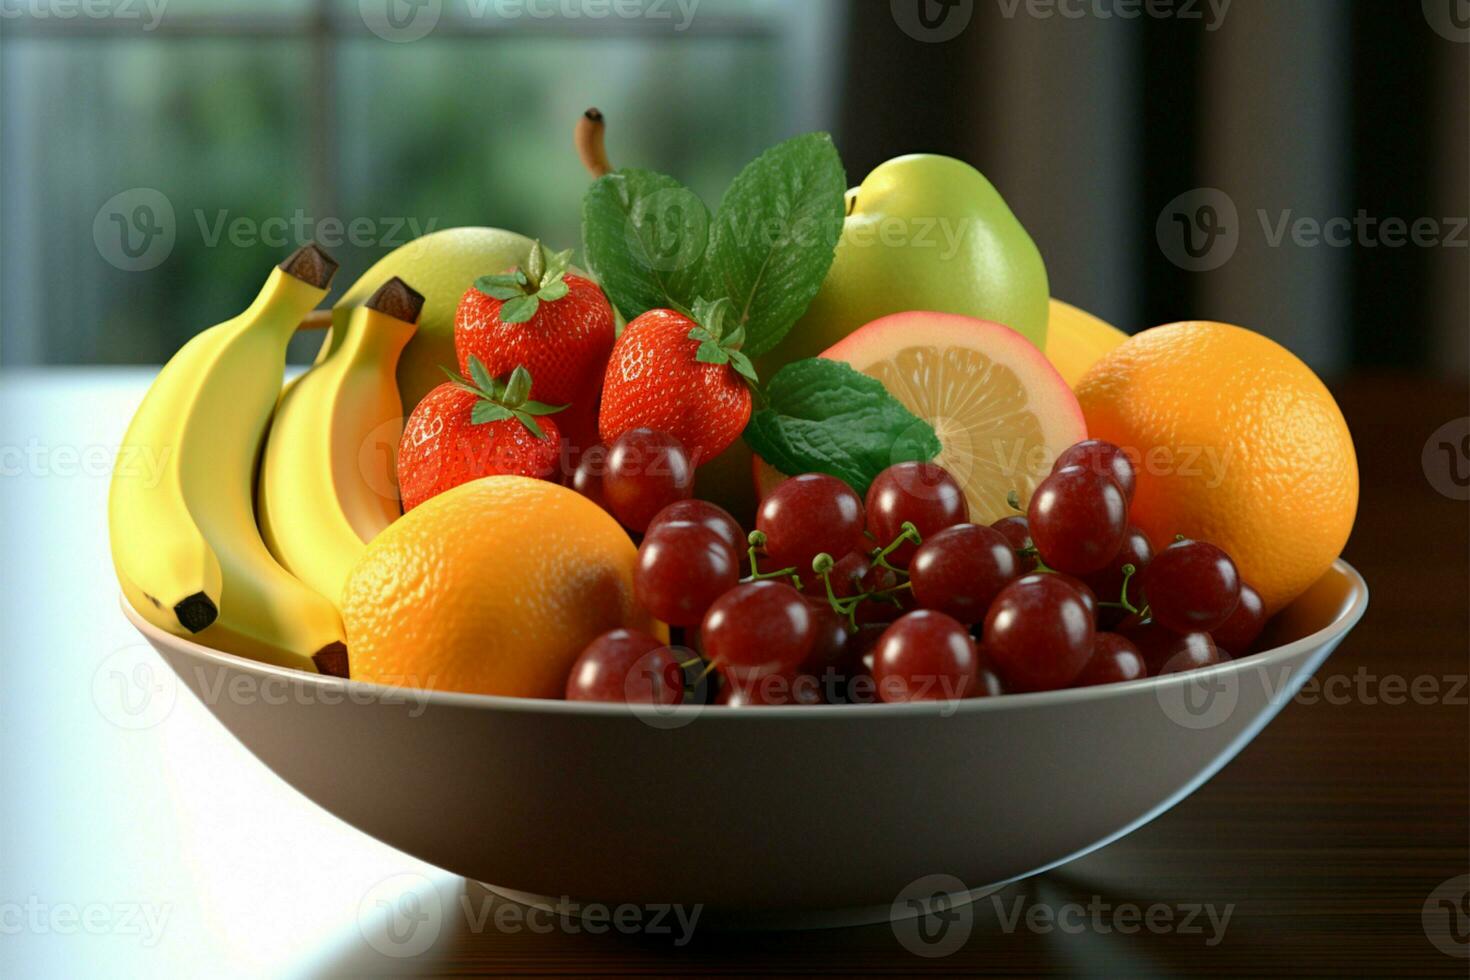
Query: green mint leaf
[
  {"x": 480, "y": 375},
  {"x": 519, "y": 309},
  {"x": 553, "y": 291},
  {"x": 489, "y": 412},
  {"x": 644, "y": 237},
  {"x": 826, "y": 417},
  {"x": 517, "y": 387},
  {"x": 500, "y": 287},
  {"x": 532, "y": 426},
  {"x": 712, "y": 353},
  {"x": 774, "y": 235}
]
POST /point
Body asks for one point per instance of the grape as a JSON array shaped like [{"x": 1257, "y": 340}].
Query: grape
[
  {"x": 1089, "y": 598},
  {"x": 924, "y": 494},
  {"x": 682, "y": 568},
  {"x": 830, "y": 642},
  {"x": 1160, "y": 645},
  {"x": 1244, "y": 625},
  {"x": 854, "y": 573},
  {"x": 1018, "y": 533},
  {"x": 1114, "y": 658},
  {"x": 959, "y": 571},
  {"x": 1077, "y": 520},
  {"x": 987, "y": 681},
  {"x": 1197, "y": 651},
  {"x": 1191, "y": 585},
  {"x": 626, "y": 666},
  {"x": 1102, "y": 458},
  {"x": 1038, "y": 633},
  {"x": 924, "y": 656},
  {"x": 712, "y": 516},
  {"x": 808, "y": 515},
  {"x": 1107, "y": 582},
  {"x": 646, "y": 471},
  {"x": 773, "y": 689},
  {"x": 758, "y": 628},
  {"x": 587, "y": 477}
]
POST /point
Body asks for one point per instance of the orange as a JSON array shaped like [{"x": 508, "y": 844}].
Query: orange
[
  {"x": 1236, "y": 442},
  {"x": 493, "y": 587}
]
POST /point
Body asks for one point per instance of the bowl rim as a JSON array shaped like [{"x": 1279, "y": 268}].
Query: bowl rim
[{"x": 1346, "y": 619}]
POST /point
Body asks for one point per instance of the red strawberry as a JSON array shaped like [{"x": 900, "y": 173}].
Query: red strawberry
[
  {"x": 673, "y": 374},
  {"x": 463, "y": 430},
  {"x": 556, "y": 325}
]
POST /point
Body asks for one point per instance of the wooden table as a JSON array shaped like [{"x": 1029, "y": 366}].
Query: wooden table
[{"x": 1323, "y": 840}]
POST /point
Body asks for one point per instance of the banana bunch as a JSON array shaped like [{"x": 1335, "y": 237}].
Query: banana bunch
[
  {"x": 185, "y": 542},
  {"x": 327, "y": 484}
]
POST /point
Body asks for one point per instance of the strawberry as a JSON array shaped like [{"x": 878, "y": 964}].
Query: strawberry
[
  {"x": 556, "y": 325},
  {"x": 686, "y": 377},
  {"x": 466, "y": 429}
]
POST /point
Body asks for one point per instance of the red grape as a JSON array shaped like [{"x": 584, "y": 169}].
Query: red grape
[
  {"x": 830, "y": 642},
  {"x": 923, "y": 494},
  {"x": 758, "y": 628},
  {"x": 683, "y": 568},
  {"x": 1018, "y": 533},
  {"x": 1102, "y": 458},
  {"x": 959, "y": 571},
  {"x": 808, "y": 515},
  {"x": 924, "y": 656},
  {"x": 1245, "y": 623},
  {"x": 1038, "y": 633},
  {"x": 1089, "y": 598},
  {"x": 1191, "y": 585},
  {"x": 646, "y": 471},
  {"x": 1197, "y": 651},
  {"x": 587, "y": 477},
  {"x": 987, "y": 681},
  {"x": 712, "y": 516},
  {"x": 1077, "y": 519},
  {"x": 1107, "y": 582},
  {"x": 1114, "y": 658},
  {"x": 627, "y": 666},
  {"x": 1158, "y": 644},
  {"x": 772, "y": 689}
]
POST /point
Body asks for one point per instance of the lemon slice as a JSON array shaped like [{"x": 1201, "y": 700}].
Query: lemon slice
[{"x": 1002, "y": 412}]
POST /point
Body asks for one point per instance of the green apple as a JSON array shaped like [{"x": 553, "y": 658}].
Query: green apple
[
  {"x": 924, "y": 232},
  {"x": 441, "y": 266}
]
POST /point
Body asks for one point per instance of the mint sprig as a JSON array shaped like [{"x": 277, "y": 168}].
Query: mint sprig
[
  {"x": 651, "y": 243},
  {"x": 523, "y": 291},
  {"x": 826, "y": 417},
  {"x": 500, "y": 400}
]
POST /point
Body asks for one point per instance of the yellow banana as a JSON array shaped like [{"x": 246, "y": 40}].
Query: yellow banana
[
  {"x": 327, "y": 485},
  {"x": 184, "y": 538}
]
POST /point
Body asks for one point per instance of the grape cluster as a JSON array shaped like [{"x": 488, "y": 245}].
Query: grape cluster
[{"x": 835, "y": 598}]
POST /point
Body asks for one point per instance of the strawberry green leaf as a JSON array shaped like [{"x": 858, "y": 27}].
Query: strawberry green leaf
[
  {"x": 519, "y": 310},
  {"x": 541, "y": 408},
  {"x": 774, "y": 235},
  {"x": 554, "y": 291},
  {"x": 529, "y": 421},
  {"x": 517, "y": 388},
  {"x": 743, "y": 366},
  {"x": 712, "y": 353},
  {"x": 826, "y": 417},
  {"x": 502, "y": 287},
  {"x": 480, "y": 376},
  {"x": 644, "y": 236},
  {"x": 489, "y": 412}
]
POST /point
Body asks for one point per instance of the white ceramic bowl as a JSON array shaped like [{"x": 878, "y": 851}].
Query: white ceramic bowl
[{"x": 788, "y": 816}]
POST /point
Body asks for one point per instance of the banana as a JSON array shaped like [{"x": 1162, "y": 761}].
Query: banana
[
  {"x": 184, "y": 539},
  {"x": 327, "y": 485}
]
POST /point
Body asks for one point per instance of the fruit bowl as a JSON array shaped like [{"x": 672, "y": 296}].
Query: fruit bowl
[{"x": 779, "y": 817}]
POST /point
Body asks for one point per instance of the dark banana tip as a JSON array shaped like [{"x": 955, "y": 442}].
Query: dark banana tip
[
  {"x": 331, "y": 660},
  {"x": 397, "y": 299},
  {"x": 311, "y": 265},
  {"x": 196, "y": 612}
]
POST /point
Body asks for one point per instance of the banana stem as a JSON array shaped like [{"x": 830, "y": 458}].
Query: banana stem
[
  {"x": 316, "y": 320},
  {"x": 588, "y": 139}
]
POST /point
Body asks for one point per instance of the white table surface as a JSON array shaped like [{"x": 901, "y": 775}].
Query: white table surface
[{"x": 137, "y": 837}]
